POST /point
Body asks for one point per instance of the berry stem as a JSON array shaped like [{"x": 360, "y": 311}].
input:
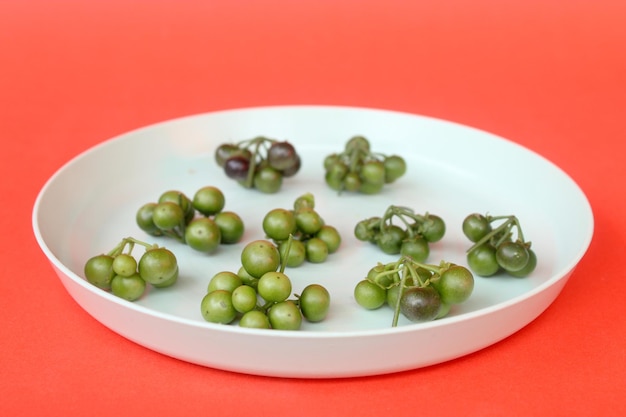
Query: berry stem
[
  {"x": 396, "y": 309},
  {"x": 256, "y": 142},
  {"x": 506, "y": 225},
  {"x": 283, "y": 259}
]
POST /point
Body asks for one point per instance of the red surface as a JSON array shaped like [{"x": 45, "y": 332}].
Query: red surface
[{"x": 550, "y": 75}]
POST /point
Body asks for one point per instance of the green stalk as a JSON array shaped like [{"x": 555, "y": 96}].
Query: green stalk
[
  {"x": 252, "y": 168},
  {"x": 283, "y": 260},
  {"x": 507, "y": 224}
]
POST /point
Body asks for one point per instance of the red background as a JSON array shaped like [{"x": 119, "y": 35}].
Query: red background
[{"x": 550, "y": 75}]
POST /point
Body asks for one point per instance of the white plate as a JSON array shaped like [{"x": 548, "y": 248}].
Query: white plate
[{"x": 89, "y": 205}]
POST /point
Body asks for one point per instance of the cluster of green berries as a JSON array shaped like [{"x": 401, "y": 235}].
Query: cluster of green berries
[
  {"x": 119, "y": 271},
  {"x": 312, "y": 239},
  {"x": 200, "y": 222},
  {"x": 358, "y": 169},
  {"x": 421, "y": 292},
  {"x": 401, "y": 231},
  {"x": 499, "y": 248},
  {"x": 259, "y": 295},
  {"x": 259, "y": 163}
]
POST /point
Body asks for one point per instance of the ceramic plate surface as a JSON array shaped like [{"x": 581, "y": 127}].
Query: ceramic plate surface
[{"x": 89, "y": 205}]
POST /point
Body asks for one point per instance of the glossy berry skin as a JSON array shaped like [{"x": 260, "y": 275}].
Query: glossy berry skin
[
  {"x": 217, "y": 307},
  {"x": 274, "y": 286},
  {"x": 282, "y": 156},
  {"x": 369, "y": 295},
  {"x": 130, "y": 288},
  {"x": 528, "y": 268},
  {"x": 482, "y": 260},
  {"x": 168, "y": 215},
  {"x": 157, "y": 265},
  {"x": 209, "y": 200},
  {"x": 144, "y": 219},
  {"x": 314, "y": 302},
  {"x": 420, "y": 304},
  {"x": 259, "y": 257},
  {"x": 255, "y": 319},
  {"x": 454, "y": 285},
  {"x": 285, "y": 315},
  {"x": 476, "y": 226},
  {"x": 231, "y": 226},
  {"x": 279, "y": 223},
  {"x": 268, "y": 180},
  {"x": 224, "y": 280},
  {"x": 202, "y": 234},
  {"x": 512, "y": 256},
  {"x": 236, "y": 167},
  {"x": 99, "y": 271}
]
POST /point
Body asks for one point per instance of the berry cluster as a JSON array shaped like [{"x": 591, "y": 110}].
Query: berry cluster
[
  {"x": 410, "y": 235},
  {"x": 258, "y": 295},
  {"x": 119, "y": 271},
  {"x": 312, "y": 239},
  {"x": 200, "y": 222},
  {"x": 421, "y": 292},
  {"x": 259, "y": 163},
  {"x": 358, "y": 169},
  {"x": 498, "y": 248}
]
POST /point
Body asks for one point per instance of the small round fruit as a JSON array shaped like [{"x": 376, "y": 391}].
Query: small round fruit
[
  {"x": 476, "y": 226},
  {"x": 529, "y": 268},
  {"x": 99, "y": 271},
  {"x": 202, "y": 234},
  {"x": 125, "y": 265},
  {"x": 268, "y": 180},
  {"x": 168, "y": 215},
  {"x": 369, "y": 295},
  {"x": 259, "y": 257},
  {"x": 274, "y": 286},
  {"x": 296, "y": 255},
  {"x": 168, "y": 282},
  {"x": 308, "y": 220},
  {"x": 225, "y": 151},
  {"x": 420, "y": 304},
  {"x": 482, "y": 260},
  {"x": 512, "y": 256},
  {"x": 395, "y": 167},
  {"x": 314, "y": 302},
  {"x": 282, "y": 155},
  {"x": 231, "y": 226},
  {"x": 455, "y": 284},
  {"x": 417, "y": 248},
  {"x": 217, "y": 307},
  {"x": 285, "y": 316},
  {"x": 255, "y": 319},
  {"x": 244, "y": 298},
  {"x": 246, "y": 278},
  {"x": 130, "y": 288},
  {"x": 279, "y": 223},
  {"x": 224, "y": 280},
  {"x": 373, "y": 172},
  {"x": 358, "y": 143},
  {"x": 236, "y": 167},
  {"x": 390, "y": 239},
  {"x": 433, "y": 228},
  {"x": 179, "y": 198},
  {"x": 330, "y": 235},
  {"x": 145, "y": 221},
  {"x": 316, "y": 250},
  {"x": 157, "y": 265},
  {"x": 209, "y": 200}
]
